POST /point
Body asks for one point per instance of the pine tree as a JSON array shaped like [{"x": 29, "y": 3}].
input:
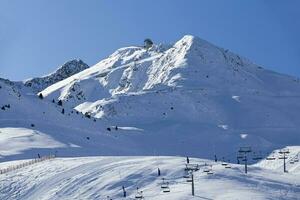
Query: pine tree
[
  {"x": 41, "y": 96},
  {"x": 59, "y": 103},
  {"x": 87, "y": 114}
]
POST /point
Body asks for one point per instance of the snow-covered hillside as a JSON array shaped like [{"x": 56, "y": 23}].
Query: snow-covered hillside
[
  {"x": 188, "y": 98},
  {"x": 103, "y": 177}
]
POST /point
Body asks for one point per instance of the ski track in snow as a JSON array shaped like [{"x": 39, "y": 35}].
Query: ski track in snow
[{"x": 99, "y": 177}]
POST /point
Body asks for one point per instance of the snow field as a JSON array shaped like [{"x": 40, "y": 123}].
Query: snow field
[{"x": 99, "y": 177}]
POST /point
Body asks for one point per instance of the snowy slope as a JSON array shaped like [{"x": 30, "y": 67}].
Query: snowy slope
[
  {"x": 103, "y": 177},
  {"x": 29, "y": 125}
]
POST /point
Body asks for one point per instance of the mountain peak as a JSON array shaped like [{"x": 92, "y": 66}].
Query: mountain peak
[{"x": 66, "y": 70}]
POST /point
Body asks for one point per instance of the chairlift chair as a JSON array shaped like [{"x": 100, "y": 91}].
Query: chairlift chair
[
  {"x": 283, "y": 151},
  {"x": 164, "y": 184},
  {"x": 186, "y": 176},
  {"x": 296, "y": 160},
  {"x": 245, "y": 150},
  {"x": 191, "y": 167},
  {"x": 210, "y": 172},
  {"x": 291, "y": 162},
  {"x": 257, "y": 156},
  {"x": 224, "y": 163},
  {"x": 283, "y": 157},
  {"x": 272, "y": 157},
  {"x": 240, "y": 156},
  {"x": 167, "y": 189},
  {"x": 189, "y": 179},
  {"x": 206, "y": 169},
  {"x": 228, "y": 166},
  {"x": 139, "y": 195}
]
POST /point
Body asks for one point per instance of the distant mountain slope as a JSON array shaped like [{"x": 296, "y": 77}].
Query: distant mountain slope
[
  {"x": 192, "y": 87},
  {"x": 188, "y": 98},
  {"x": 66, "y": 70}
]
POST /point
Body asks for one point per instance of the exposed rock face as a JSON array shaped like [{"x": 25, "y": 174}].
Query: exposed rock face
[{"x": 66, "y": 70}]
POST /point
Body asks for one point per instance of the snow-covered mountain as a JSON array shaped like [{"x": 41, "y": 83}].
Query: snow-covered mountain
[
  {"x": 190, "y": 98},
  {"x": 66, "y": 70},
  {"x": 187, "y": 98}
]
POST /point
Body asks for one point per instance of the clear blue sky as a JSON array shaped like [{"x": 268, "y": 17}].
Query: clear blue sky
[{"x": 36, "y": 36}]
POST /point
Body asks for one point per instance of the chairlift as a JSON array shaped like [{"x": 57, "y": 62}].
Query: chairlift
[
  {"x": 206, "y": 169},
  {"x": 296, "y": 160},
  {"x": 228, "y": 166},
  {"x": 257, "y": 158},
  {"x": 284, "y": 151},
  {"x": 283, "y": 157},
  {"x": 165, "y": 190},
  {"x": 164, "y": 184},
  {"x": 240, "y": 155},
  {"x": 272, "y": 157},
  {"x": 245, "y": 149},
  {"x": 139, "y": 194},
  {"x": 186, "y": 176},
  {"x": 224, "y": 163},
  {"x": 291, "y": 162},
  {"x": 210, "y": 172},
  {"x": 191, "y": 167},
  {"x": 189, "y": 179}
]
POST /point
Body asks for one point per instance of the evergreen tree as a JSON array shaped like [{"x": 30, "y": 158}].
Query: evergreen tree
[
  {"x": 87, "y": 114},
  {"x": 59, "y": 103},
  {"x": 41, "y": 96}
]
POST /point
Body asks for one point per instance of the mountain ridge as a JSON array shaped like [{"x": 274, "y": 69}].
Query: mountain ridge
[{"x": 64, "y": 71}]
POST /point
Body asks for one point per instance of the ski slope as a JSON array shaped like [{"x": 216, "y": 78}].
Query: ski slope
[{"x": 100, "y": 177}]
